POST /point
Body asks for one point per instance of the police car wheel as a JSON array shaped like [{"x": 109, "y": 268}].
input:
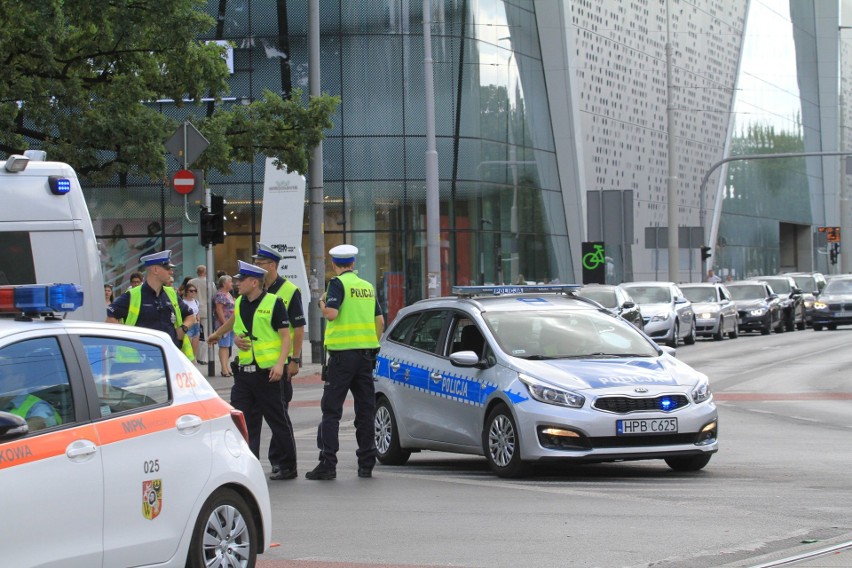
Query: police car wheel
[
  {"x": 688, "y": 463},
  {"x": 388, "y": 450},
  {"x": 225, "y": 533},
  {"x": 501, "y": 444}
]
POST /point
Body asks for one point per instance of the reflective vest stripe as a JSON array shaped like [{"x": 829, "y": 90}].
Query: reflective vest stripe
[
  {"x": 266, "y": 348},
  {"x": 355, "y": 324}
]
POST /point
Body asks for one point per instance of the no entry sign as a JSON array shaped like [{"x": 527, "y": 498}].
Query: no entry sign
[{"x": 183, "y": 182}]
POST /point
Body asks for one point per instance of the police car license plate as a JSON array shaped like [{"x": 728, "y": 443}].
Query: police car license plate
[{"x": 646, "y": 426}]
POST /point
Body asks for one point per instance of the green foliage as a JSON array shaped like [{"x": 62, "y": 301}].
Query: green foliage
[{"x": 75, "y": 78}]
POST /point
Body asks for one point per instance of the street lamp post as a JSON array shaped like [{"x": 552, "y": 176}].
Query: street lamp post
[
  {"x": 845, "y": 213},
  {"x": 674, "y": 244},
  {"x": 433, "y": 200}
]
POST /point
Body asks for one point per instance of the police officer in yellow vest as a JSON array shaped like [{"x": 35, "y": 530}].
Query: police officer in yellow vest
[
  {"x": 261, "y": 318},
  {"x": 268, "y": 259},
  {"x": 15, "y": 399},
  {"x": 155, "y": 304},
  {"x": 355, "y": 324}
]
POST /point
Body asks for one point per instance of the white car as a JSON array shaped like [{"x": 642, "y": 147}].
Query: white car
[
  {"x": 525, "y": 374},
  {"x": 114, "y": 450},
  {"x": 667, "y": 314}
]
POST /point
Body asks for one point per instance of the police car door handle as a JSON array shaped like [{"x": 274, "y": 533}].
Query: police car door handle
[
  {"x": 395, "y": 366},
  {"x": 80, "y": 450},
  {"x": 188, "y": 423},
  {"x": 436, "y": 377}
]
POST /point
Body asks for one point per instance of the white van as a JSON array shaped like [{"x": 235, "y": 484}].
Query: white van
[{"x": 46, "y": 233}]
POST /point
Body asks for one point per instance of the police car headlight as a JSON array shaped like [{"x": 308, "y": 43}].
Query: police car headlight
[
  {"x": 758, "y": 312},
  {"x": 702, "y": 391},
  {"x": 551, "y": 395},
  {"x": 662, "y": 316}
]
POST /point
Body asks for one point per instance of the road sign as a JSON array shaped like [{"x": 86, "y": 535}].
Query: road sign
[
  {"x": 186, "y": 144},
  {"x": 183, "y": 182}
]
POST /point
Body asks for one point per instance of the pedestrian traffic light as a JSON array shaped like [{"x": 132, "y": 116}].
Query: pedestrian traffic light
[
  {"x": 211, "y": 229},
  {"x": 705, "y": 253}
]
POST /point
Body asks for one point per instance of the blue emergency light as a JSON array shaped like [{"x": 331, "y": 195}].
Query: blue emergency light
[
  {"x": 41, "y": 298},
  {"x": 59, "y": 185},
  {"x": 500, "y": 290}
]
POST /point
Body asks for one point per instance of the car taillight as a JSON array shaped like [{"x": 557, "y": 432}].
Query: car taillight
[{"x": 240, "y": 423}]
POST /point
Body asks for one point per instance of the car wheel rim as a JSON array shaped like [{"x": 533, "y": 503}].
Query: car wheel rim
[
  {"x": 501, "y": 441},
  {"x": 383, "y": 430},
  {"x": 226, "y": 538}
]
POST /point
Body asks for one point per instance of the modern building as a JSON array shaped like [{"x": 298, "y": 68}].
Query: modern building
[{"x": 551, "y": 123}]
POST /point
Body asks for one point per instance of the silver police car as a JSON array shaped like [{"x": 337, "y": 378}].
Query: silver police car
[{"x": 522, "y": 374}]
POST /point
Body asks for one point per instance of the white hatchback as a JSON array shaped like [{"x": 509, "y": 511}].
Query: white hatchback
[{"x": 115, "y": 450}]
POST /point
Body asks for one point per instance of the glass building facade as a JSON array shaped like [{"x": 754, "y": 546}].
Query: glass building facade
[{"x": 501, "y": 212}]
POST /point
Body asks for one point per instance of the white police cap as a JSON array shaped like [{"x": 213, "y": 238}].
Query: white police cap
[
  {"x": 343, "y": 254},
  {"x": 267, "y": 252},
  {"x": 247, "y": 270},
  {"x": 163, "y": 258}
]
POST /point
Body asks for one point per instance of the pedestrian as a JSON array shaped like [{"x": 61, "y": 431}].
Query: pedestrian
[
  {"x": 109, "y": 296},
  {"x": 135, "y": 280},
  {"x": 355, "y": 324},
  {"x": 205, "y": 293},
  {"x": 260, "y": 317},
  {"x": 190, "y": 298},
  {"x": 224, "y": 303},
  {"x": 712, "y": 278},
  {"x": 154, "y": 304},
  {"x": 268, "y": 258}
]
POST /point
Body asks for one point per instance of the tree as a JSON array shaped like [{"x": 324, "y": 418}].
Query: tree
[{"x": 78, "y": 80}]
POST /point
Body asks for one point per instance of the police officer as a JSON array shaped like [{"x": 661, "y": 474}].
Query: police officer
[
  {"x": 261, "y": 318},
  {"x": 355, "y": 324},
  {"x": 155, "y": 304},
  {"x": 268, "y": 258}
]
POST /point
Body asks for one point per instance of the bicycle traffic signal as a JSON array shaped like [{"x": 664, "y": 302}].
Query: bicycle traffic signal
[{"x": 705, "y": 253}]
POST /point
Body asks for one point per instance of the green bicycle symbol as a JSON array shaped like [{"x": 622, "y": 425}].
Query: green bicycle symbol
[{"x": 592, "y": 260}]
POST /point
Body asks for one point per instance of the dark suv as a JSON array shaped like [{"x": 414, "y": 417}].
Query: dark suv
[{"x": 791, "y": 300}]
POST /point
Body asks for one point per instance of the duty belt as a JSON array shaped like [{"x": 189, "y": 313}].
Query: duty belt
[{"x": 247, "y": 368}]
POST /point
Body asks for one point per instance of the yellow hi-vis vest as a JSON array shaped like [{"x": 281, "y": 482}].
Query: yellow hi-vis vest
[
  {"x": 28, "y": 403},
  {"x": 136, "y": 305},
  {"x": 266, "y": 347},
  {"x": 285, "y": 292},
  {"x": 355, "y": 324}
]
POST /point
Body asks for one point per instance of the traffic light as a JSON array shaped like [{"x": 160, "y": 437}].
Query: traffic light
[
  {"x": 211, "y": 229},
  {"x": 834, "y": 248},
  {"x": 705, "y": 253}
]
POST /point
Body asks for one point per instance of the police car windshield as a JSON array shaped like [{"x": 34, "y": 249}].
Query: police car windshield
[{"x": 567, "y": 334}]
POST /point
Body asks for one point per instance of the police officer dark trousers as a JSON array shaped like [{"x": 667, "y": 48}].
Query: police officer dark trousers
[
  {"x": 261, "y": 318},
  {"x": 355, "y": 324}
]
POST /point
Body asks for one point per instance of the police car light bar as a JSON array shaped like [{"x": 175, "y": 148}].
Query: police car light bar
[
  {"x": 510, "y": 289},
  {"x": 33, "y": 299}
]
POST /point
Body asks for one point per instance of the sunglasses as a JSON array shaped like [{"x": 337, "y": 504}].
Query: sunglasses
[{"x": 192, "y": 290}]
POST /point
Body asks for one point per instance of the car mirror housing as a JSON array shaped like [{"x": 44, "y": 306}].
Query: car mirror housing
[
  {"x": 464, "y": 359},
  {"x": 12, "y": 426},
  {"x": 628, "y": 305}
]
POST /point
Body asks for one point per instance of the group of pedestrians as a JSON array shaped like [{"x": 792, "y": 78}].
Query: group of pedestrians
[{"x": 266, "y": 325}]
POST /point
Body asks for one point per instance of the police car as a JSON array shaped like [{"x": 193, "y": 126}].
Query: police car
[
  {"x": 524, "y": 374},
  {"x": 114, "y": 449}
]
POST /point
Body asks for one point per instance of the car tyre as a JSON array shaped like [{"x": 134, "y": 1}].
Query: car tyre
[
  {"x": 690, "y": 338},
  {"x": 673, "y": 341},
  {"x": 225, "y": 532},
  {"x": 832, "y": 326},
  {"x": 817, "y": 327},
  {"x": 801, "y": 325},
  {"x": 735, "y": 333},
  {"x": 720, "y": 335},
  {"x": 388, "y": 450},
  {"x": 501, "y": 444},
  {"x": 790, "y": 324},
  {"x": 689, "y": 463}
]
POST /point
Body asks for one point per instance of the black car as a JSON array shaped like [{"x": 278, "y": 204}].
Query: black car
[
  {"x": 834, "y": 305},
  {"x": 812, "y": 284},
  {"x": 758, "y": 306},
  {"x": 616, "y": 300},
  {"x": 792, "y": 300}
]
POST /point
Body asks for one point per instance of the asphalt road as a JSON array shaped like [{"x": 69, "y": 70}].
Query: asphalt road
[{"x": 780, "y": 486}]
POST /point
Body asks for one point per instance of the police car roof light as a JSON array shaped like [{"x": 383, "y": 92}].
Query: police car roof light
[
  {"x": 511, "y": 289},
  {"x": 41, "y": 298},
  {"x": 16, "y": 163},
  {"x": 59, "y": 185}
]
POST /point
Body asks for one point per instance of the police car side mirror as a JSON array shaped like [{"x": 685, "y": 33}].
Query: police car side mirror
[
  {"x": 12, "y": 426},
  {"x": 670, "y": 350},
  {"x": 464, "y": 359}
]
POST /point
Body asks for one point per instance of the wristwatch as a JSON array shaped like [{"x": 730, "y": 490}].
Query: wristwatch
[
  {"x": 296, "y": 360},
  {"x": 184, "y": 328}
]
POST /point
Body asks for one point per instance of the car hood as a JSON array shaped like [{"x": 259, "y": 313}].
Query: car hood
[
  {"x": 707, "y": 306},
  {"x": 750, "y": 304},
  {"x": 649, "y": 310},
  {"x": 597, "y": 374},
  {"x": 829, "y": 298}
]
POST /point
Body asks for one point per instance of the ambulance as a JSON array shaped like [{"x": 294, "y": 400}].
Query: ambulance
[
  {"x": 115, "y": 451},
  {"x": 46, "y": 232}
]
